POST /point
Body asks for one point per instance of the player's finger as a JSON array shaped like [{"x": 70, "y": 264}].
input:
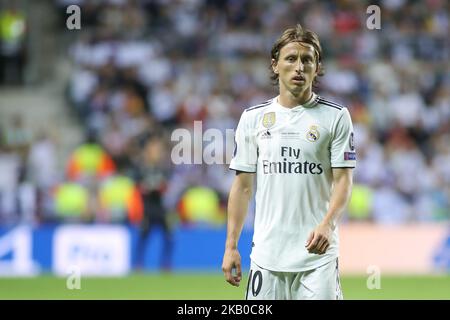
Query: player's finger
[
  {"x": 231, "y": 278},
  {"x": 322, "y": 245},
  {"x": 310, "y": 237},
  {"x": 313, "y": 244},
  {"x": 238, "y": 272},
  {"x": 323, "y": 242},
  {"x": 235, "y": 280},
  {"x": 232, "y": 281},
  {"x": 227, "y": 273}
]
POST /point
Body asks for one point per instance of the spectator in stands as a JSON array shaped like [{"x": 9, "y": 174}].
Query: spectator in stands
[
  {"x": 10, "y": 165},
  {"x": 17, "y": 136},
  {"x": 43, "y": 172},
  {"x": 119, "y": 201},
  {"x": 89, "y": 161},
  {"x": 12, "y": 44}
]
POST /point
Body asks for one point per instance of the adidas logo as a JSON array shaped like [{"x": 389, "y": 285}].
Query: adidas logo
[{"x": 266, "y": 135}]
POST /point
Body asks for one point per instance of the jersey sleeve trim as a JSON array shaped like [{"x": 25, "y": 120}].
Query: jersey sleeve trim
[
  {"x": 343, "y": 167},
  {"x": 240, "y": 171},
  {"x": 238, "y": 167}
]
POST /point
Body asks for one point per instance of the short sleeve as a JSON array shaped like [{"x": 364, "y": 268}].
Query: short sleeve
[
  {"x": 245, "y": 149},
  {"x": 343, "y": 153}
]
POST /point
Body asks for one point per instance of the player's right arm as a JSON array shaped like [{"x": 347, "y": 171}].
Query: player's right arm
[
  {"x": 240, "y": 194},
  {"x": 244, "y": 163}
]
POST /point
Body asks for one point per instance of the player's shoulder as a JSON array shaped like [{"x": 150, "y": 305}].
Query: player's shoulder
[
  {"x": 260, "y": 107},
  {"x": 331, "y": 106},
  {"x": 254, "y": 113}
]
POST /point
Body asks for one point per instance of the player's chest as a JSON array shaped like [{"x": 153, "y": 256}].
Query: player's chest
[{"x": 291, "y": 132}]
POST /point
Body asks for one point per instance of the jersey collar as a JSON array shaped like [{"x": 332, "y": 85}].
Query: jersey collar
[{"x": 308, "y": 104}]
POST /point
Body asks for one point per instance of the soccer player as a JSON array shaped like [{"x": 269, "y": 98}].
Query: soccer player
[{"x": 300, "y": 146}]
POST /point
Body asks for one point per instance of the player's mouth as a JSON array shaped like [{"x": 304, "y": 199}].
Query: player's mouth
[{"x": 299, "y": 79}]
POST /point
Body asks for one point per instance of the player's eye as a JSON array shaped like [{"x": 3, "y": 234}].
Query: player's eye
[{"x": 291, "y": 59}]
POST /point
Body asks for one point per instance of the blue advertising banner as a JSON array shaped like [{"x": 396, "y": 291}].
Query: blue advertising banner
[
  {"x": 116, "y": 250},
  {"x": 109, "y": 250}
]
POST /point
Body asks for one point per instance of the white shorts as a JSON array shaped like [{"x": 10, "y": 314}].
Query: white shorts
[{"x": 321, "y": 283}]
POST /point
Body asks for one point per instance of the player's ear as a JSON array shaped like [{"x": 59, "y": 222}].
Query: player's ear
[{"x": 274, "y": 64}]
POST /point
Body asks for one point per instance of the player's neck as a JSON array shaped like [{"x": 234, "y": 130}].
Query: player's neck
[{"x": 288, "y": 99}]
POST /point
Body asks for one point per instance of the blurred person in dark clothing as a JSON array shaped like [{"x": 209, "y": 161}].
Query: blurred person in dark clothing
[{"x": 152, "y": 180}]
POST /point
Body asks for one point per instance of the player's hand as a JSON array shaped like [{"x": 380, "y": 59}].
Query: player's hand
[
  {"x": 319, "y": 239},
  {"x": 231, "y": 267}
]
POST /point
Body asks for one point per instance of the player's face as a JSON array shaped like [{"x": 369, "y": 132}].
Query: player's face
[{"x": 296, "y": 67}]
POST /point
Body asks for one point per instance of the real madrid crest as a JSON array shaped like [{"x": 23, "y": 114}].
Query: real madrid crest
[
  {"x": 313, "y": 134},
  {"x": 268, "y": 119}
]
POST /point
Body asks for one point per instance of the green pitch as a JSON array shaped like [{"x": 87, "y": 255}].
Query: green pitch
[{"x": 207, "y": 286}]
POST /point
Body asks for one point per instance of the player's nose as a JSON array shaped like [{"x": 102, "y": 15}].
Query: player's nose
[{"x": 299, "y": 67}]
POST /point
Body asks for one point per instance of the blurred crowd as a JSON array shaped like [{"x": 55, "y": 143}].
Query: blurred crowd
[
  {"x": 13, "y": 37},
  {"x": 143, "y": 68}
]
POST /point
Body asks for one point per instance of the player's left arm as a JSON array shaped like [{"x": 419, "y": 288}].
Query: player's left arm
[{"x": 319, "y": 239}]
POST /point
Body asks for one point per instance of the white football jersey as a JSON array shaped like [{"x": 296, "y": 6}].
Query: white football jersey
[{"x": 292, "y": 151}]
